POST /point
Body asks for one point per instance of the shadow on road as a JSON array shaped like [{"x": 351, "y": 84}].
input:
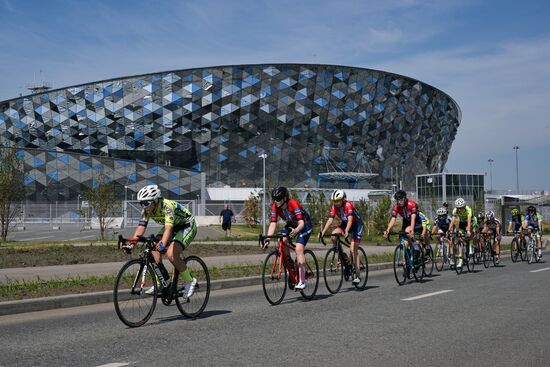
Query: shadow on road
[{"x": 204, "y": 315}]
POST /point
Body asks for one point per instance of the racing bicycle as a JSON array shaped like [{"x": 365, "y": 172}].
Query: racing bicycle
[
  {"x": 338, "y": 266},
  {"x": 280, "y": 270},
  {"x": 134, "y": 306}
]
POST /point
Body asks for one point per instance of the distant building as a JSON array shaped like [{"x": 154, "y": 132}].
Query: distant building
[{"x": 433, "y": 190}]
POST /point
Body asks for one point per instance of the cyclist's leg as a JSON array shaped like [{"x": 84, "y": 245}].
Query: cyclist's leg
[
  {"x": 301, "y": 242},
  {"x": 538, "y": 236},
  {"x": 356, "y": 235},
  {"x": 181, "y": 239}
]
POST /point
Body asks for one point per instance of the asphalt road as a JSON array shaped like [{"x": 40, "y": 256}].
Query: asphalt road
[{"x": 494, "y": 317}]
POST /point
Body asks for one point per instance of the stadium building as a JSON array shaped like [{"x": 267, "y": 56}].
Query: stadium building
[{"x": 187, "y": 129}]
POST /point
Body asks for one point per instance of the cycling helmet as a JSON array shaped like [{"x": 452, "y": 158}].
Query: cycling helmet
[
  {"x": 481, "y": 215},
  {"x": 515, "y": 212},
  {"x": 279, "y": 193},
  {"x": 441, "y": 211},
  {"x": 531, "y": 209},
  {"x": 399, "y": 195},
  {"x": 460, "y": 203},
  {"x": 338, "y": 195},
  {"x": 150, "y": 192},
  {"x": 490, "y": 215}
]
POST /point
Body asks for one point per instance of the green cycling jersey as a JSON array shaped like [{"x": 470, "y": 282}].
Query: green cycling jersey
[
  {"x": 464, "y": 214},
  {"x": 168, "y": 212}
]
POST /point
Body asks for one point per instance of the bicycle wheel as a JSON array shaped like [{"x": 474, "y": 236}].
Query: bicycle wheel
[
  {"x": 194, "y": 305},
  {"x": 457, "y": 255},
  {"x": 418, "y": 265},
  {"x": 312, "y": 275},
  {"x": 523, "y": 249},
  {"x": 399, "y": 267},
  {"x": 530, "y": 254},
  {"x": 439, "y": 257},
  {"x": 132, "y": 305},
  {"x": 333, "y": 271},
  {"x": 514, "y": 250},
  {"x": 429, "y": 261},
  {"x": 493, "y": 254},
  {"x": 274, "y": 279},
  {"x": 363, "y": 268},
  {"x": 469, "y": 259},
  {"x": 486, "y": 254}
]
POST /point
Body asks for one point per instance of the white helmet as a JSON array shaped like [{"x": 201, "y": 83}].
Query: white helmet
[
  {"x": 441, "y": 211},
  {"x": 150, "y": 192},
  {"x": 489, "y": 216},
  {"x": 460, "y": 203},
  {"x": 338, "y": 195}
]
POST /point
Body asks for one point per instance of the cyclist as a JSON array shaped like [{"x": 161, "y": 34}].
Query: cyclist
[
  {"x": 298, "y": 224},
  {"x": 478, "y": 228},
  {"x": 515, "y": 221},
  {"x": 462, "y": 215},
  {"x": 179, "y": 230},
  {"x": 351, "y": 223},
  {"x": 533, "y": 222},
  {"x": 442, "y": 222},
  {"x": 493, "y": 224},
  {"x": 408, "y": 210}
]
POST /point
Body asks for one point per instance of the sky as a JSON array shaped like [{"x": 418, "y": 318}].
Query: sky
[{"x": 491, "y": 57}]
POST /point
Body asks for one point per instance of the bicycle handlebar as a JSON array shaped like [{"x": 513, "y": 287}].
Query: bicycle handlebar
[
  {"x": 262, "y": 238},
  {"x": 338, "y": 235}
]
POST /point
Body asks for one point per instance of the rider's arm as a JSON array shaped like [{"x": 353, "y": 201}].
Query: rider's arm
[
  {"x": 271, "y": 228},
  {"x": 140, "y": 230},
  {"x": 327, "y": 224},
  {"x": 509, "y": 226},
  {"x": 167, "y": 234},
  {"x": 301, "y": 225},
  {"x": 350, "y": 223},
  {"x": 413, "y": 220},
  {"x": 469, "y": 224},
  {"x": 390, "y": 226}
]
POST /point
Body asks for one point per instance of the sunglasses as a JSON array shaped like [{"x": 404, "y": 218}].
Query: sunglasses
[{"x": 145, "y": 204}]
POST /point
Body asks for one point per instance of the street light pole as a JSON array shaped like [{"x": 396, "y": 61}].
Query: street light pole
[
  {"x": 125, "y": 204},
  {"x": 491, "y": 172},
  {"x": 516, "y": 148},
  {"x": 263, "y": 156}
]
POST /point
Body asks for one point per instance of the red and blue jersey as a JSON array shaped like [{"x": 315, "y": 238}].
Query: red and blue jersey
[
  {"x": 292, "y": 214},
  {"x": 405, "y": 211},
  {"x": 345, "y": 211}
]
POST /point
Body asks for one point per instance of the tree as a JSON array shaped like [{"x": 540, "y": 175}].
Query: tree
[
  {"x": 318, "y": 208},
  {"x": 103, "y": 201},
  {"x": 12, "y": 189},
  {"x": 365, "y": 212},
  {"x": 252, "y": 210},
  {"x": 381, "y": 214}
]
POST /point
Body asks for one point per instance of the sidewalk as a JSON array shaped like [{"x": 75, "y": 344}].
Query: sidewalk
[{"x": 86, "y": 270}]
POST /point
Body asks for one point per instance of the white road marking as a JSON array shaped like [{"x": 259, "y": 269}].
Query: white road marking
[
  {"x": 536, "y": 271},
  {"x": 34, "y": 238},
  {"x": 115, "y": 364},
  {"x": 427, "y": 295}
]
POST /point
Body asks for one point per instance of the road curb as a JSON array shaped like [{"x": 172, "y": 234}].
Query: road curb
[{"x": 84, "y": 299}]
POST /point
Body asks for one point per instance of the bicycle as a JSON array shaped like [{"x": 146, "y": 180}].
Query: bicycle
[
  {"x": 280, "y": 269},
  {"x": 442, "y": 252},
  {"x": 532, "y": 249},
  {"x": 468, "y": 258},
  {"x": 429, "y": 260},
  {"x": 406, "y": 261},
  {"x": 488, "y": 250},
  {"x": 134, "y": 306},
  {"x": 518, "y": 247},
  {"x": 338, "y": 266}
]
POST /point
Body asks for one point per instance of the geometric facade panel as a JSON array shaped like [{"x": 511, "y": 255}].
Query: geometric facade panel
[
  {"x": 60, "y": 176},
  {"x": 217, "y": 120}
]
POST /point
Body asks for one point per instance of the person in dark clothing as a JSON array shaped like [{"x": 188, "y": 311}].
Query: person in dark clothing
[{"x": 226, "y": 217}]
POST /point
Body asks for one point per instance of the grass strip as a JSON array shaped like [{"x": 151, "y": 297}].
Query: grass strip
[{"x": 17, "y": 290}]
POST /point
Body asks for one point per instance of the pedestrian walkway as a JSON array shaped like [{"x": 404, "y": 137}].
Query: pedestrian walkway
[{"x": 87, "y": 270}]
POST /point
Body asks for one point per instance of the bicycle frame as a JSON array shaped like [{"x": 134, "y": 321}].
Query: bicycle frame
[
  {"x": 337, "y": 245},
  {"x": 282, "y": 259}
]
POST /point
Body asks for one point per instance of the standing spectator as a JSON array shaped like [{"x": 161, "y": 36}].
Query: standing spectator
[{"x": 228, "y": 217}]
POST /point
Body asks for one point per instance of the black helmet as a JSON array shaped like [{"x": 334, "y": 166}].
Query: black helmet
[
  {"x": 279, "y": 193},
  {"x": 400, "y": 195},
  {"x": 531, "y": 209}
]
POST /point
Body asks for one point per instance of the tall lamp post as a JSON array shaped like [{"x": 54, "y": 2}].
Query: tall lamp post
[
  {"x": 125, "y": 204},
  {"x": 516, "y": 148},
  {"x": 263, "y": 156},
  {"x": 491, "y": 172}
]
